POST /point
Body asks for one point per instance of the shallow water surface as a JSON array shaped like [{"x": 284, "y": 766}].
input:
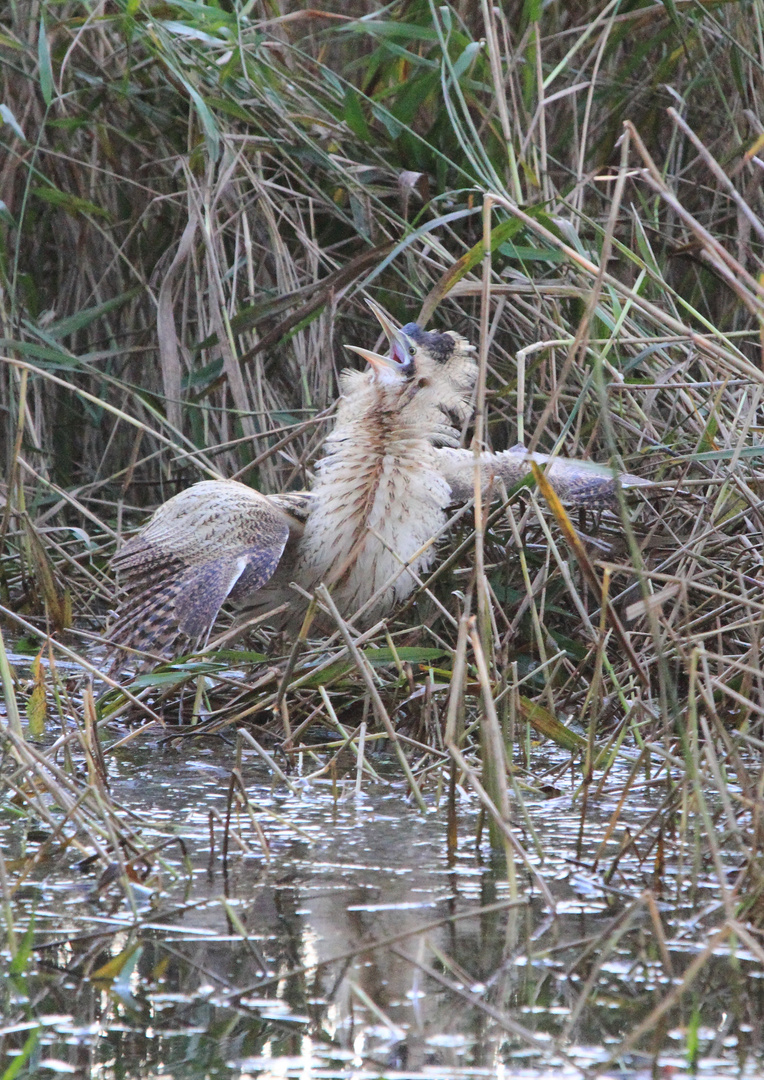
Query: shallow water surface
[{"x": 333, "y": 935}]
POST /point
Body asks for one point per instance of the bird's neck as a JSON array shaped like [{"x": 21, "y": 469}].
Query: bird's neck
[
  {"x": 378, "y": 433},
  {"x": 383, "y": 417},
  {"x": 378, "y": 495},
  {"x": 377, "y": 415}
]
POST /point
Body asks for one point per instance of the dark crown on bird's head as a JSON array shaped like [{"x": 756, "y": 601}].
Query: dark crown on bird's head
[
  {"x": 437, "y": 370},
  {"x": 445, "y": 359},
  {"x": 439, "y": 346},
  {"x": 417, "y": 352}
]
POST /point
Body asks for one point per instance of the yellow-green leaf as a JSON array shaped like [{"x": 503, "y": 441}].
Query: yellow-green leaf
[
  {"x": 545, "y": 723},
  {"x": 113, "y": 968}
]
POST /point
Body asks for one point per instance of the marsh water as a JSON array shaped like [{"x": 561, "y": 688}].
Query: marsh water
[{"x": 332, "y": 932}]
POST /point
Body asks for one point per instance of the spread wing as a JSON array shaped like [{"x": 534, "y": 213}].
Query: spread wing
[
  {"x": 581, "y": 483},
  {"x": 176, "y": 574}
]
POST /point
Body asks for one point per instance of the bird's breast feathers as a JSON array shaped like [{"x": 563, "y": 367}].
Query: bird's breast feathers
[{"x": 374, "y": 508}]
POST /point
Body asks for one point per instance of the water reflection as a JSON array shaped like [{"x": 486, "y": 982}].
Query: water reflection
[{"x": 350, "y": 945}]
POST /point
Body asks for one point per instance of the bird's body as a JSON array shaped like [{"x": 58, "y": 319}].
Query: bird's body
[
  {"x": 391, "y": 468},
  {"x": 379, "y": 494}
]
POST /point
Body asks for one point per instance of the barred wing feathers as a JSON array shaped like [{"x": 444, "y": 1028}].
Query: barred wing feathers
[
  {"x": 178, "y": 571},
  {"x": 578, "y": 483}
]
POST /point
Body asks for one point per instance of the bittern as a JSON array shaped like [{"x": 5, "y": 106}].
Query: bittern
[{"x": 391, "y": 468}]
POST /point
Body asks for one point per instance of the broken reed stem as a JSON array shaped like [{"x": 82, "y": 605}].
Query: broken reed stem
[
  {"x": 592, "y": 703},
  {"x": 455, "y": 713},
  {"x": 379, "y": 709},
  {"x": 14, "y": 479},
  {"x": 97, "y": 772},
  {"x": 361, "y": 755},
  {"x": 227, "y": 824},
  {"x": 454, "y": 729}
]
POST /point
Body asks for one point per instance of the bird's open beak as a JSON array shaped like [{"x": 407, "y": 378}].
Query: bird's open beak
[
  {"x": 399, "y": 343},
  {"x": 378, "y": 362}
]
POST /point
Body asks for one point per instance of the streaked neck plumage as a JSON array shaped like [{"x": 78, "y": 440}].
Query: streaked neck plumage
[{"x": 379, "y": 495}]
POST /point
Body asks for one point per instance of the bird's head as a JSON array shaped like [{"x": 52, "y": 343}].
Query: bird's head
[{"x": 430, "y": 368}]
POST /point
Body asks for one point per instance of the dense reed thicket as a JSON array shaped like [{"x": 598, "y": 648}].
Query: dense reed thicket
[{"x": 196, "y": 197}]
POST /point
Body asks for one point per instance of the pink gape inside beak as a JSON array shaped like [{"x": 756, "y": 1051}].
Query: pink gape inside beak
[{"x": 400, "y": 347}]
